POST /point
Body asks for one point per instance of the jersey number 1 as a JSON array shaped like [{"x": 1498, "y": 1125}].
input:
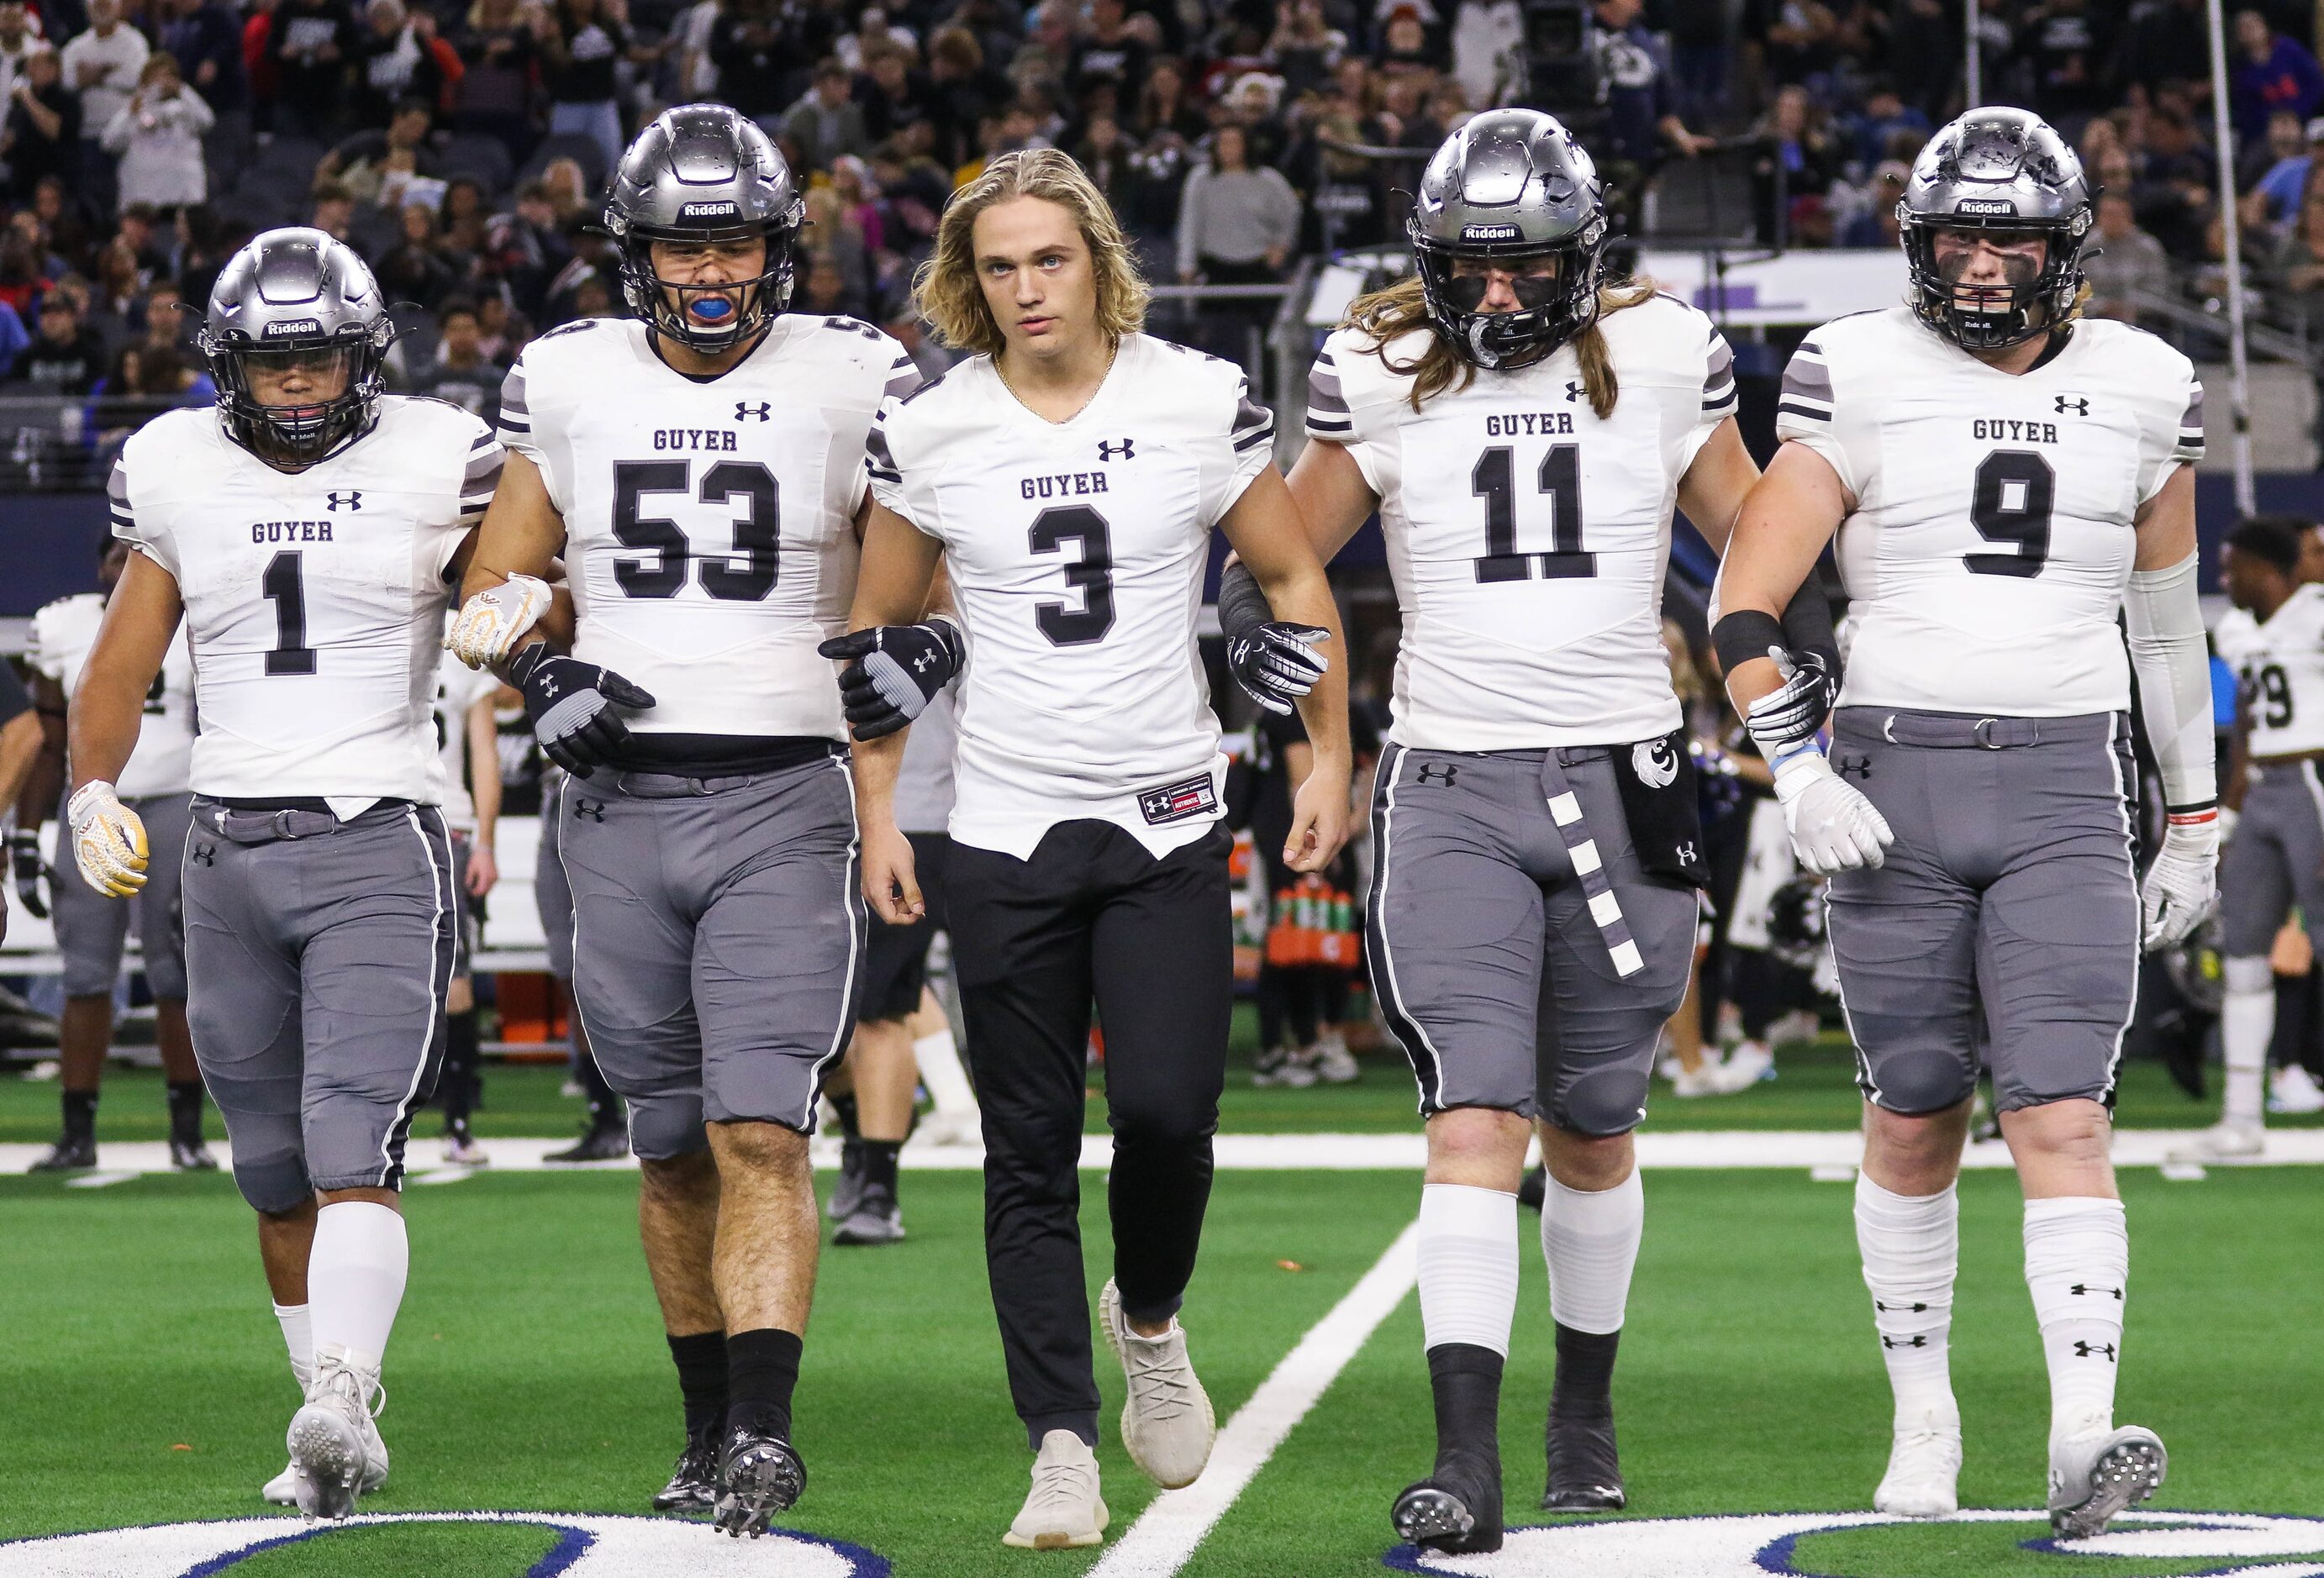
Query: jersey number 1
[
  {"x": 284, "y": 587},
  {"x": 1494, "y": 479}
]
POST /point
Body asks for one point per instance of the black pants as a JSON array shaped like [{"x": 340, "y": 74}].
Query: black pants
[{"x": 1091, "y": 915}]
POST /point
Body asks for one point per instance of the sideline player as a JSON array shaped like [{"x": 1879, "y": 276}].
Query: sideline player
[
  {"x": 1524, "y": 429},
  {"x": 309, "y": 531},
  {"x": 466, "y": 733},
  {"x": 2005, "y": 478},
  {"x": 1069, "y": 474},
  {"x": 2273, "y": 638},
  {"x": 704, "y": 518},
  {"x": 89, "y": 931}
]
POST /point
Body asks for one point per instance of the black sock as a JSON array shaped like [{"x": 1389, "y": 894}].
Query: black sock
[
  {"x": 1466, "y": 1382},
  {"x": 845, "y": 1106},
  {"x": 186, "y": 1111},
  {"x": 1584, "y": 1386},
  {"x": 80, "y": 1114},
  {"x": 763, "y": 1366},
  {"x": 880, "y": 1164},
  {"x": 701, "y": 1360},
  {"x": 462, "y": 1085}
]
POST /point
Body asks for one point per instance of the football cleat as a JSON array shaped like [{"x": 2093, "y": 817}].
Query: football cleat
[
  {"x": 2093, "y": 1477},
  {"x": 1333, "y": 1062},
  {"x": 1063, "y": 1511},
  {"x": 1457, "y": 1509},
  {"x": 694, "y": 1484},
  {"x": 1702, "y": 1079},
  {"x": 1280, "y": 1066},
  {"x": 331, "y": 1436},
  {"x": 847, "y": 1191},
  {"x": 602, "y": 1143},
  {"x": 1745, "y": 1067},
  {"x": 1923, "y": 1477},
  {"x": 759, "y": 1475},
  {"x": 282, "y": 1490},
  {"x": 2222, "y": 1142},
  {"x": 1585, "y": 1470},
  {"x": 2294, "y": 1091},
  {"x": 876, "y": 1219},
  {"x": 461, "y": 1149},
  {"x": 191, "y": 1156},
  {"x": 72, "y": 1154},
  {"x": 1167, "y": 1424}
]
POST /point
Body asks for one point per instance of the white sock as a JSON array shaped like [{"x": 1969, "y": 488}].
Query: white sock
[
  {"x": 1911, "y": 1247},
  {"x": 299, "y": 1336},
  {"x": 2077, "y": 1268},
  {"x": 1589, "y": 1240},
  {"x": 2246, "y": 1025},
  {"x": 1468, "y": 1266},
  {"x": 355, "y": 1278},
  {"x": 939, "y": 1061}
]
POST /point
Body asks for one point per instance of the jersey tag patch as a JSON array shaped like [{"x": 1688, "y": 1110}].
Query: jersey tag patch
[{"x": 1196, "y": 796}]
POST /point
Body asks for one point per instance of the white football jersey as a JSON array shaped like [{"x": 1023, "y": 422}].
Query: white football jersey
[
  {"x": 64, "y": 633},
  {"x": 1077, "y": 551},
  {"x": 1527, "y": 537},
  {"x": 2279, "y": 673},
  {"x": 314, "y": 600},
  {"x": 459, "y": 688},
  {"x": 1992, "y": 538},
  {"x": 709, "y": 524}
]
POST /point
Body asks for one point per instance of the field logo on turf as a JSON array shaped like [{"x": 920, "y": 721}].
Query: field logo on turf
[
  {"x": 1757, "y": 1545},
  {"x": 589, "y": 1545}
]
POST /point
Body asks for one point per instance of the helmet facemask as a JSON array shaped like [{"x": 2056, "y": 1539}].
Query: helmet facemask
[
  {"x": 677, "y": 310},
  {"x": 1553, "y": 306},
  {"x": 339, "y": 382},
  {"x": 2036, "y": 299}
]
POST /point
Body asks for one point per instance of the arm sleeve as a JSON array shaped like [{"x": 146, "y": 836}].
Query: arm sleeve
[
  {"x": 1242, "y": 605},
  {"x": 2168, "y": 655},
  {"x": 1804, "y": 411}
]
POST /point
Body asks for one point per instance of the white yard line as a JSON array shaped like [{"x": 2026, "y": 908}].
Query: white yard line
[{"x": 1159, "y": 1543}]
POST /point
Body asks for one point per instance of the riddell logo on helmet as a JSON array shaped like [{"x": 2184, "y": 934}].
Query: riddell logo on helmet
[
  {"x": 1984, "y": 205},
  {"x": 294, "y": 325},
  {"x": 707, "y": 211},
  {"x": 1488, "y": 233}
]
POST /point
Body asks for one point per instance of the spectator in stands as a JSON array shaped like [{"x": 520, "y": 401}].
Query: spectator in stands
[
  {"x": 1641, "y": 115},
  {"x": 413, "y": 270},
  {"x": 157, "y": 136},
  {"x": 755, "y": 69},
  {"x": 1163, "y": 105},
  {"x": 2167, "y": 41},
  {"x": 2122, "y": 261},
  {"x": 501, "y": 331},
  {"x": 2269, "y": 71},
  {"x": 62, "y": 223},
  {"x": 588, "y": 40},
  {"x": 1885, "y": 126},
  {"x": 361, "y": 160},
  {"x": 20, "y": 40},
  {"x": 463, "y": 220},
  {"x": 2173, "y": 194},
  {"x": 459, "y": 371},
  {"x": 2062, "y": 48},
  {"x": 2298, "y": 265},
  {"x": 13, "y": 337},
  {"x": 205, "y": 243},
  {"x": 1236, "y": 226},
  {"x": 40, "y": 136},
  {"x": 1106, "y": 154},
  {"x": 834, "y": 234},
  {"x": 66, "y": 357},
  {"x": 310, "y": 47},
  {"x": 1794, "y": 155},
  {"x": 166, "y": 323},
  {"x": 823, "y": 289},
  {"x": 966, "y": 91},
  {"x": 1306, "y": 48},
  {"x": 1404, "y": 47},
  {"x": 498, "y": 46},
  {"x": 1797, "y": 38},
  {"x": 1109, "y": 52},
  {"x": 332, "y": 210},
  {"x": 205, "y": 37},
  {"x": 891, "y": 92},
  {"x": 827, "y": 122},
  {"x": 526, "y": 248},
  {"x": 399, "y": 59},
  {"x": 2270, "y": 174},
  {"x": 1874, "y": 223},
  {"x": 570, "y": 194},
  {"x": 102, "y": 67},
  {"x": 23, "y": 272}
]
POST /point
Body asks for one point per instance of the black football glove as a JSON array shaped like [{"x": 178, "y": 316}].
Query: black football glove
[
  {"x": 893, "y": 672},
  {"x": 571, "y": 705},
  {"x": 1784, "y": 718},
  {"x": 1278, "y": 663},
  {"x": 25, "y": 866}
]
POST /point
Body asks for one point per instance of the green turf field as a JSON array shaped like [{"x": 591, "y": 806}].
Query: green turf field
[{"x": 145, "y": 1379}]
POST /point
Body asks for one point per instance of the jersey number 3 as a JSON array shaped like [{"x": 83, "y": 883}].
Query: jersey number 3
[
  {"x": 755, "y": 534},
  {"x": 1092, "y": 574}
]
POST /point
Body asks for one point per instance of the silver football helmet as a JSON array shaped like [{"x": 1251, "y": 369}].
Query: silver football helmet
[
  {"x": 1511, "y": 185},
  {"x": 2006, "y": 171},
  {"x": 703, "y": 172},
  {"x": 296, "y": 301}
]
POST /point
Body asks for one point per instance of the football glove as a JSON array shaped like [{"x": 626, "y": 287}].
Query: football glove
[
  {"x": 2184, "y": 882},
  {"x": 1833, "y": 827},
  {"x": 492, "y": 622},
  {"x": 108, "y": 840},
  {"x": 894, "y": 671},
  {"x": 1278, "y": 663},
  {"x": 25, "y": 866},
  {"x": 571, "y": 705},
  {"x": 1791, "y": 715}
]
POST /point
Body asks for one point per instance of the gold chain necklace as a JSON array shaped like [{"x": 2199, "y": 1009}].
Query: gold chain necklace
[{"x": 1077, "y": 410}]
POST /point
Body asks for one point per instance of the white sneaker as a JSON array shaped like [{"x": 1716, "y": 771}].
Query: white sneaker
[
  {"x": 1333, "y": 1062},
  {"x": 1167, "y": 1425},
  {"x": 2095, "y": 1476},
  {"x": 1746, "y": 1066},
  {"x": 2294, "y": 1091},
  {"x": 1064, "y": 1512},
  {"x": 1799, "y": 1024},
  {"x": 1282, "y": 1067},
  {"x": 2222, "y": 1142},
  {"x": 1923, "y": 1477},
  {"x": 1704, "y": 1081},
  {"x": 331, "y": 1436}
]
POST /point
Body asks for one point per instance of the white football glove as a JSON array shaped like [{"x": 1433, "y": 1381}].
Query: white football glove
[
  {"x": 2183, "y": 883},
  {"x": 108, "y": 840},
  {"x": 490, "y": 623},
  {"x": 1833, "y": 827}
]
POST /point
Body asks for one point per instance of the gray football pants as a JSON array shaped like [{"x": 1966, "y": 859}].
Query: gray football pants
[
  {"x": 718, "y": 942},
  {"x": 2276, "y": 858},
  {"x": 318, "y": 951},
  {"x": 1493, "y": 959},
  {"x": 2006, "y": 913},
  {"x": 91, "y": 929}
]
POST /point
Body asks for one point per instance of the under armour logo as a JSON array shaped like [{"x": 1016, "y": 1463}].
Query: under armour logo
[
  {"x": 1106, "y": 451},
  {"x": 1891, "y": 1308},
  {"x": 745, "y": 411},
  {"x": 921, "y": 664},
  {"x": 2079, "y": 1289},
  {"x": 352, "y": 499},
  {"x": 1686, "y": 856},
  {"x": 1918, "y": 1341},
  {"x": 1429, "y": 768},
  {"x": 206, "y": 854},
  {"x": 1572, "y": 392},
  {"x": 2089, "y": 1350},
  {"x": 1855, "y": 767},
  {"x": 2078, "y": 406},
  {"x": 592, "y": 809}
]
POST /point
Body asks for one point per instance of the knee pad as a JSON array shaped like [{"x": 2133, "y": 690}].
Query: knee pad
[
  {"x": 2248, "y": 975},
  {"x": 1607, "y": 1101},
  {"x": 273, "y": 1187},
  {"x": 663, "y": 1127},
  {"x": 1925, "y": 1081}
]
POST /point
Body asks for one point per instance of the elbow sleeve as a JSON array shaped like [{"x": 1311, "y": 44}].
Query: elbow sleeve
[{"x": 2167, "y": 653}]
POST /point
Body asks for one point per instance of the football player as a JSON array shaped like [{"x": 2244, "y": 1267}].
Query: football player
[
  {"x": 1069, "y": 474},
  {"x": 704, "y": 517},
  {"x": 464, "y": 736},
  {"x": 2006, "y": 478},
  {"x": 1525, "y": 429},
  {"x": 2273, "y": 638},
  {"x": 90, "y": 932},
  {"x": 309, "y": 532}
]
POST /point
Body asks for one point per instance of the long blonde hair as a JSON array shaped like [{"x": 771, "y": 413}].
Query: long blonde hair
[
  {"x": 1388, "y": 315},
  {"x": 945, "y": 290}
]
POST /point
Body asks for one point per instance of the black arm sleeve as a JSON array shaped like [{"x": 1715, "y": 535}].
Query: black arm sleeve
[
  {"x": 1807, "y": 623},
  {"x": 1242, "y": 606}
]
